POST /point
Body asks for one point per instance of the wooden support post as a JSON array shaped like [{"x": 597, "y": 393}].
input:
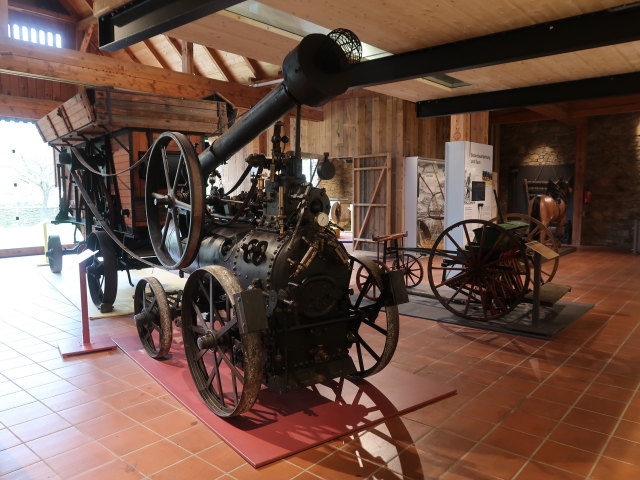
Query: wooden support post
[
  {"x": 263, "y": 143},
  {"x": 494, "y": 139},
  {"x": 582, "y": 132},
  {"x": 86, "y": 38},
  {"x": 4, "y": 18},
  {"x": 472, "y": 127},
  {"x": 187, "y": 57}
]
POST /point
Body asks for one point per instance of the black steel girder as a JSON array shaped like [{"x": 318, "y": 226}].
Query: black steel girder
[
  {"x": 599, "y": 87},
  {"x": 591, "y": 30},
  {"x": 141, "y": 19}
]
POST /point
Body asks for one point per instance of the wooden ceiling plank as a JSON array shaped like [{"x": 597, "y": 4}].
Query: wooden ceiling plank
[
  {"x": 159, "y": 58},
  {"x": 70, "y": 66},
  {"x": 400, "y": 26}
]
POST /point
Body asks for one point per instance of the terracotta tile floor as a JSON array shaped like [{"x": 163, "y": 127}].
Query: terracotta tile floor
[{"x": 526, "y": 409}]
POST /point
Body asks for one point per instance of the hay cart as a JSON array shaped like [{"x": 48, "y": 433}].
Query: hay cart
[{"x": 101, "y": 137}]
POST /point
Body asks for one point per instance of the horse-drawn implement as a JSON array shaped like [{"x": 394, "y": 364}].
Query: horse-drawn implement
[
  {"x": 101, "y": 136},
  {"x": 477, "y": 269}
]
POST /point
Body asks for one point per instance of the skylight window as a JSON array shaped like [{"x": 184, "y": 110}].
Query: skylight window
[
  {"x": 273, "y": 17},
  {"x": 31, "y": 35}
]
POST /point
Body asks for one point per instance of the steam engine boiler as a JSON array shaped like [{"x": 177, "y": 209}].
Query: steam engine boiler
[{"x": 268, "y": 298}]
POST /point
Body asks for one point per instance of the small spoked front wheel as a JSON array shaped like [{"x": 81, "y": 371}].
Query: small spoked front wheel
[
  {"x": 152, "y": 315},
  {"x": 411, "y": 269}
]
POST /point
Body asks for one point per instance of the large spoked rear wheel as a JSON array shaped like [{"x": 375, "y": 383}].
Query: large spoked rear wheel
[
  {"x": 375, "y": 332},
  {"x": 478, "y": 270},
  {"x": 174, "y": 200},
  {"x": 153, "y": 317},
  {"x": 102, "y": 272},
  {"x": 226, "y": 365}
]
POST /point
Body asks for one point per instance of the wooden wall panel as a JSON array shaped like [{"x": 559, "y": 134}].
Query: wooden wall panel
[
  {"x": 364, "y": 125},
  {"x": 35, "y": 88}
]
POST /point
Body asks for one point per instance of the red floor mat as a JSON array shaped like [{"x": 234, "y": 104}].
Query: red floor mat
[{"x": 281, "y": 425}]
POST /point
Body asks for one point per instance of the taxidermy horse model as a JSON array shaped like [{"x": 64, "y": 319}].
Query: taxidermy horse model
[{"x": 551, "y": 207}]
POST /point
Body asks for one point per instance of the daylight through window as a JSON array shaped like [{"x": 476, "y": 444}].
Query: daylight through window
[{"x": 29, "y": 34}]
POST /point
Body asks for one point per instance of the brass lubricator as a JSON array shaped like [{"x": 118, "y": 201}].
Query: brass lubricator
[
  {"x": 314, "y": 247},
  {"x": 317, "y": 245}
]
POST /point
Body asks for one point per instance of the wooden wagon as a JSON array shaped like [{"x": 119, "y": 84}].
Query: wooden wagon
[{"x": 97, "y": 134}]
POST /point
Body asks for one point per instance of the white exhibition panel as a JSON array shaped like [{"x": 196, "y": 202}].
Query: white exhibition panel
[
  {"x": 468, "y": 184},
  {"x": 411, "y": 201}
]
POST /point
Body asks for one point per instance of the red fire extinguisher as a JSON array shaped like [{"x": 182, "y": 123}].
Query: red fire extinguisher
[{"x": 586, "y": 200}]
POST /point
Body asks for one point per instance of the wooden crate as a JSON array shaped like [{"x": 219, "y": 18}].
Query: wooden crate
[{"x": 97, "y": 111}]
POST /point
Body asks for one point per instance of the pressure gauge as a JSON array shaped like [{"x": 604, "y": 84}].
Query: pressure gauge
[{"x": 322, "y": 219}]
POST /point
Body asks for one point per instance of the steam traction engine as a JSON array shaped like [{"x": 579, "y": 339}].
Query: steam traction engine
[{"x": 268, "y": 297}]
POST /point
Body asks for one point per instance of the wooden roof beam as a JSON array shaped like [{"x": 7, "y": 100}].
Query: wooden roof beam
[
  {"x": 557, "y": 111},
  {"x": 85, "y": 22},
  {"x": 218, "y": 61},
  {"x": 256, "y": 69},
  {"x": 155, "y": 54},
  {"x": 100, "y": 7},
  {"x": 86, "y": 37},
  {"x": 80, "y": 8},
  {"x": 27, "y": 108},
  {"x": 18, "y": 6},
  {"x": 79, "y": 68},
  {"x": 131, "y": 55}
]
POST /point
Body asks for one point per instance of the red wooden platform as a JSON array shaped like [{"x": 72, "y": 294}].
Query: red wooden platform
[{"x": 281, "y": 425}]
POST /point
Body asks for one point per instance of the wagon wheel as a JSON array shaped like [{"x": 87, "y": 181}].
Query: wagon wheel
[
  {"x": 54, "y": 253},
  {"x": 411, "y": 267},
  {"x": 174, "y": 200},
  {"x": 226, "y": 365},
  {"x": 483, "y": 271},
  {"x": 362, "y": 275},
  {"x": 375, "y": 332},
  {"x": 540, "y": 233},
  {"x": 153, "y": 317},
  {"x": 102, "y": 273}
]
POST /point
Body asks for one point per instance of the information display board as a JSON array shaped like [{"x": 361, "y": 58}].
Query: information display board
[{"x": 469, "y": 183}]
